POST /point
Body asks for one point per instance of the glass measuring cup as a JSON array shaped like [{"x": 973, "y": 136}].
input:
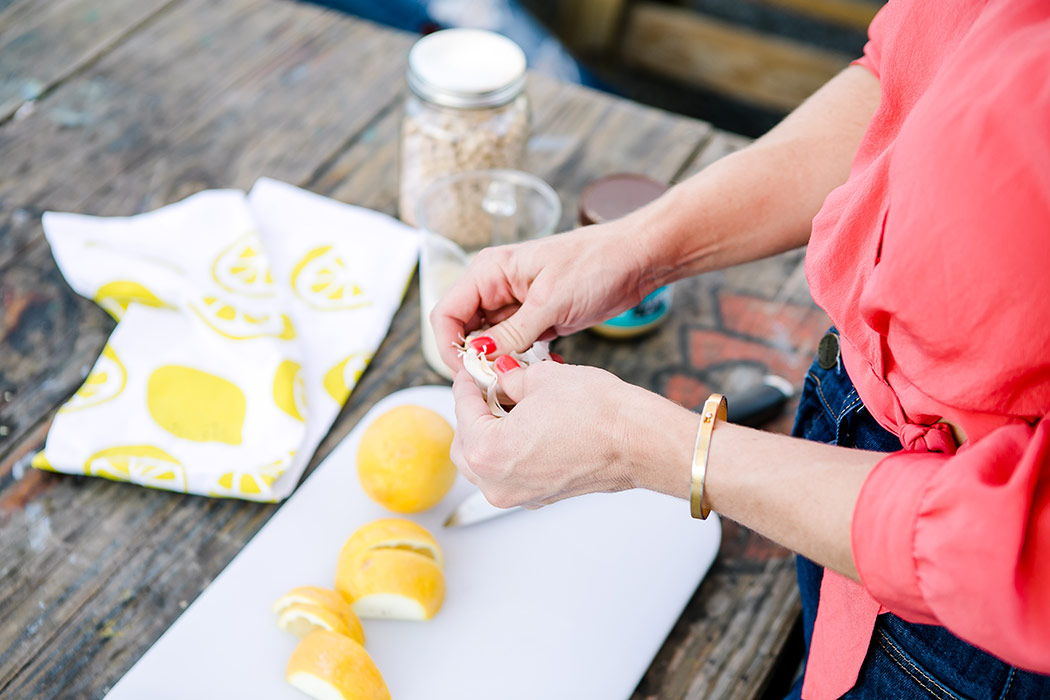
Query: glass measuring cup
[{"x": 462, "y": 213}]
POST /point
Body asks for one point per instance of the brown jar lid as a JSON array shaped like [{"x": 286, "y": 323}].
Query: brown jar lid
[{"x": 617, "y": 195}]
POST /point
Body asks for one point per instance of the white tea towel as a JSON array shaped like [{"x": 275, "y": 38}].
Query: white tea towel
[{"x": 244, "y": 323}]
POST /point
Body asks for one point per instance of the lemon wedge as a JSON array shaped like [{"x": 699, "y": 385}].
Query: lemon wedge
[
  {"x": 329, "y": 666},
  {"x": 396, "y": 584},
  {"x": 306, "y": 608}
]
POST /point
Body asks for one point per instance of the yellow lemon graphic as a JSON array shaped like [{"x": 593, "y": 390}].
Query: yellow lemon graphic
[
  {"x": 115, "y": 297},
  {"x": 323, "y": 281},
  {"x": 253, "y": 483},
  {"x": 289, "y": 389},
  {"x": 107, "y": 379},
  {"x": 195, "y": 405},
  {"x": 242, "y": 268},
  {"x": 230, "y": 322},
  {"x": 41, "y": 462},
  {"x": 339, "y": 380},
  {"x": 140, "y": 464}
]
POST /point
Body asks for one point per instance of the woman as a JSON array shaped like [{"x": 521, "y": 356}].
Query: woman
[{"x": 920, "y": 180}]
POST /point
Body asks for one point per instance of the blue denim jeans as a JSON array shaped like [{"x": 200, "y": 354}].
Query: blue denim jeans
[{"x": 905, "y": 661}]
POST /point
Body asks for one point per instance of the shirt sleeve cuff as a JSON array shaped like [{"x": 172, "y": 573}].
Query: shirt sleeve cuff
[{"x": 883, "y": 532}]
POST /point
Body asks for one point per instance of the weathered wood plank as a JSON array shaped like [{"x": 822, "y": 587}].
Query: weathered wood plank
[
  {"x": 855, "y": 14},
  {"x": 767, "y": 70},
  {"x": 48, "y": 41},
  {"x": 259, "y": 128}
]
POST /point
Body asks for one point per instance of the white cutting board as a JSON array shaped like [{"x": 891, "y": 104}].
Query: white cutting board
[{"x": 571, "y": 601}]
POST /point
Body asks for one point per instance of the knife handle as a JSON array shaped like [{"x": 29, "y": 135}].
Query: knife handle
[{"x": 760, "y": 403}]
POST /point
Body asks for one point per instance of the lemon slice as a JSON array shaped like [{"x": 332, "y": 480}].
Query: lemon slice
[
  {"x": 403, "y": 459},
  {"x": 396, "y": 584},
  {"x": 303, "y": 618},
  {"x": 243, "y": 269},
  {"x": 323, "y": 280},
  {"x": 140, "y": 464},
  {"x": 289, "y": 389},
  {"x": 107, "y": 379},
  {"x": 227, "y": 320},
  {"x": 329, "y": 666},
  {"x": 115, "y": 297}
]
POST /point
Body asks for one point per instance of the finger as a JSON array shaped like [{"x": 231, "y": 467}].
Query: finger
[
  {"x": 521, "y": 329},
  {"x": 511, "y": 377},
  {"x": 472, "y": 412}
]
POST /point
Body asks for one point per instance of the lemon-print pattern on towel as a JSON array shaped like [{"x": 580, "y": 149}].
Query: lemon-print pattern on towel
[
  {"x": 107, "y": 379},
  {"x": 116, "y": 296},
  {"x": 323, "y": 280},
  {"x": 242, "y": 268},
  {"x": 195, "y": 405},
  {"x": 255, "y": 484},
  {"x": 289, "y": 389},
  {"x": 342, "y": 378},
  {"x": 145, "y": 465},
  {"x": 227, "y": 320}
]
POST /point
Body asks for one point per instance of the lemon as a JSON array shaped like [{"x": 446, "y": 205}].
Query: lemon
[
  {"x": 387, "y": 533},
  {"x": 289, "y": 389},
  {"x": 115, "y": 297},
  {"x": 342, "y": 378},
  {"x": 243, "y": 269},
  {"x": 107, "y": 379},
  {"x": 329, "y": 666},
  {"x": 303, "y": 618},
  {"x": 396, "y": 584},
  {"x": 196, "y": 405},
  {"x": 306, "y": 601},
  {"x": 230, "y": 322},
  {"x": 322, "y": 280},
  {"x": 140, "y": 464},
  {"x": 403, "y": 459}
]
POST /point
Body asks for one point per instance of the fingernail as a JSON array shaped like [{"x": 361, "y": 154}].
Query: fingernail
[
  {"x": 557, "y": 358},
  {"x": 483, "y": 345},
  {"x": 505, "y": 363}
]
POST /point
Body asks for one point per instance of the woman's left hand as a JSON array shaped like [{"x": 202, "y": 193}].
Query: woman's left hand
[{"x": 573, "y": 430}]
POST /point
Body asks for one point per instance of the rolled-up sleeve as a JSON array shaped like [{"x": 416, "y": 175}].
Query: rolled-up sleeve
[
  {"x": 964, "y": 541},
  {"x": 872, "y": 57}
]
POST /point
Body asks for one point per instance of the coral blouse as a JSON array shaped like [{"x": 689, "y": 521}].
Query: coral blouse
[{"x": 933, "y": 261}]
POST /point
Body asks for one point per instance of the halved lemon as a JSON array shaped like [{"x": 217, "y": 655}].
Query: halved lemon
[
  {"x": 323, "y": 280},
  {"x": 303, "y": 618},
  {"x": 329, "y": 666},
  {"x": 107, "y": 379},
  {"x": 387, "y": 533},
  {"x": 242, "y": 268},
  {"x": 396, "y": 584},
  {"x": 231, "y": 322}
]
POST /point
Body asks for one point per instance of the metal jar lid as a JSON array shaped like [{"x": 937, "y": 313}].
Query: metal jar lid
[
  {"x": 466, "y": 69},
  {"x": 617, "y": 195}
]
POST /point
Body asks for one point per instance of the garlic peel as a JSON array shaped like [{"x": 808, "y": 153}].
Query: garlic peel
[{"x": 483, "y": 370}]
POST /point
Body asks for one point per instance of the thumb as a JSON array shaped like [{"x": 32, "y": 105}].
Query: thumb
[
  {"x": 519, "y": 331},
  {"x": 511, "y": 378}
]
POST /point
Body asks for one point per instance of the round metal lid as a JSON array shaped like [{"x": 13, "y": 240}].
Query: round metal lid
[{"x": 466, "y": 68}]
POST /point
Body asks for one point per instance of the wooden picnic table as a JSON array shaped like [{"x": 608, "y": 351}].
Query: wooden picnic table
[{"x": 120, "y": 106}]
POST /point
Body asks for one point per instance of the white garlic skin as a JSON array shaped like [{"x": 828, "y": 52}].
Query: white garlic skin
[{"x": 483, "y": 370}]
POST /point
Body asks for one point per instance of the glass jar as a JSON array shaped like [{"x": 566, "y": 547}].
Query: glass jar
[
  {"x": 609, "y": 198},
  {"x": 466, "y": 109}
]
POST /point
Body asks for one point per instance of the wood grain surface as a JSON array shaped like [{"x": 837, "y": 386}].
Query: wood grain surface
[{"x": 193, "y": 94}]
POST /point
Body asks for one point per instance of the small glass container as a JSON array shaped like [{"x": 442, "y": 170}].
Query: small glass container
[
  {"x": 466, "y": 109},
  {"x": 609, "y": 198},
  {"x": 462, "y": 213}
]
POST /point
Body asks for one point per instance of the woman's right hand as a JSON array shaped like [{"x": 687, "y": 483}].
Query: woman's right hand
[{"x": 543, "y": 288}]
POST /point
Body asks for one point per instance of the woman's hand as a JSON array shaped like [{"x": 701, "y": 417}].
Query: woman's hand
[
  {"x": 573, "y": 430},
  {"x": 542, "y": 289}
]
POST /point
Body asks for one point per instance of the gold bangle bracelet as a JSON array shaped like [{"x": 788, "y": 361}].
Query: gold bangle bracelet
[{"x": 714, "y": 409}]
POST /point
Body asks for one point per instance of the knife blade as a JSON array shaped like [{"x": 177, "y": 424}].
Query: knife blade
[{"x": 753, "y": 406}]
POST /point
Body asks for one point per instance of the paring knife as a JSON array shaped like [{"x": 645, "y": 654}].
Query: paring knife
[{"x": 753, "y": 407}]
